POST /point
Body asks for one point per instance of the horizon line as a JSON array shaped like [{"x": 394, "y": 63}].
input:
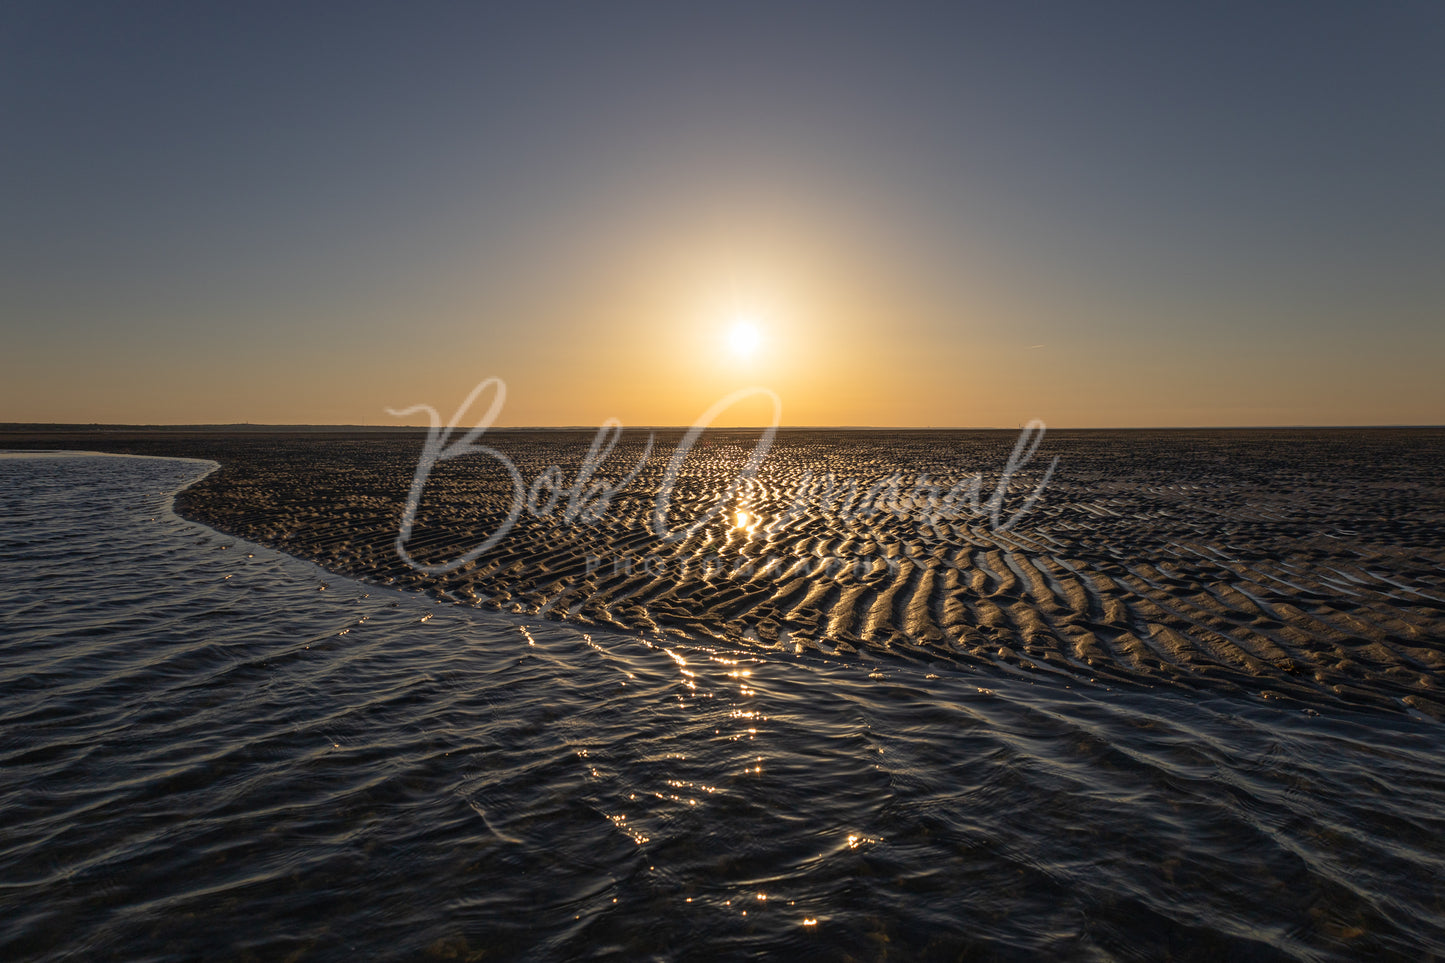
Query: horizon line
[{"x": 28, "y": 427}]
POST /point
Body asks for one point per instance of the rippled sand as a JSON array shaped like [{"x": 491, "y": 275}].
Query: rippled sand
[{"x": 1293, "y": 564}]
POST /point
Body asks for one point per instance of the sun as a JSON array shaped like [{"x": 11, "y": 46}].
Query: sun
[{"x": 744, "y": 337}]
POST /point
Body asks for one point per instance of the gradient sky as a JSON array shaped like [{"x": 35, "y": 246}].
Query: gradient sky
[{"x": 1096, "y": 214}]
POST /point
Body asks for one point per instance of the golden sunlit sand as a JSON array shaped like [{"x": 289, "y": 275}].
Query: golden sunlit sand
[{"x": 1202, "y": 559}]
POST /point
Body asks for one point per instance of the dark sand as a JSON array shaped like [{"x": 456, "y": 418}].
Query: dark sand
[{"x": 1293, "y": 564}]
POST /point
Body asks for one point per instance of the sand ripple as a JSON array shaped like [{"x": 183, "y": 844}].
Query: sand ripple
[{"x": 1294, "y": 564}]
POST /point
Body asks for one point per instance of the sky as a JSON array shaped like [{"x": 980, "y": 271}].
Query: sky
[{"x": 1092, "y": 214}]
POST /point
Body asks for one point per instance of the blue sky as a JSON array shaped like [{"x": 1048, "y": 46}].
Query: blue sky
[{"x": 1094, "y": 214}]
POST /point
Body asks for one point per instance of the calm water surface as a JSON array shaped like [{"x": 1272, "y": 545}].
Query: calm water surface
[{"x": 208, "y": 749}]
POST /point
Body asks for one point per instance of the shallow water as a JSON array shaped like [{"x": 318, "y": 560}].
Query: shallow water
[{"x": 208, "y": 748}]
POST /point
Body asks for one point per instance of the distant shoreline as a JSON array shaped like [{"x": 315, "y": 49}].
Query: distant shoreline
[{"x": 8, "y": 429}]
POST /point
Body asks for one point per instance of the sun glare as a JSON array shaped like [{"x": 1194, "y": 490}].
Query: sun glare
[{"x": 744, "y": 337}]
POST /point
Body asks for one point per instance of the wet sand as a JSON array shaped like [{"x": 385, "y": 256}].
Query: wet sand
[{"x": 1301, "y": 565}]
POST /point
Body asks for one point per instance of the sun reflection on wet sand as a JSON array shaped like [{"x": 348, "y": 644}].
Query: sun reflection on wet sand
[{"x": 746, "y": 521}]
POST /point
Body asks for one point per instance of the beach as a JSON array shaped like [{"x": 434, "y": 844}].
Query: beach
[
  {"x": 848, "y": 482},
  {"x": 1302, "y": 565},
  {"x": 212, "y": 748}
]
